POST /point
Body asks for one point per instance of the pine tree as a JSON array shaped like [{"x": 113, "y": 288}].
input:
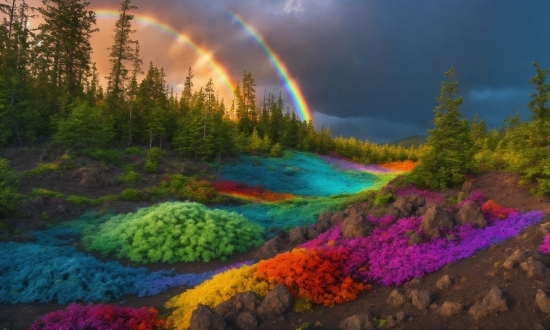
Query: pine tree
[
  {"x": 449, "y": 153},
  {"x": 539, "y": 104},
  {"x": 132, "y": 91},
  {"x": 121, "y": 53},
  {"x": 65, "y": 49},
  {"x": 18, "y": 115}
]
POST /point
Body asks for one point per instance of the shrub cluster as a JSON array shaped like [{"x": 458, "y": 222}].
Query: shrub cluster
[
  {"x": 213, "y": 292},
  {"x": 101, "y": 316},
  {"x": 174, "y": 232},
  {"x": 316, "y": 275}
]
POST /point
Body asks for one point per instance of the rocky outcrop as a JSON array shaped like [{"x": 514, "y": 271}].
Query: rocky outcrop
[
  {"x": 396, "y": 298},
  {"x": 277, "y": 301},
  {"x": 297, "y": 235},
  {"x": 534, "y": 268},
  {"x": 444, "y": 282},
  {"x": 436, "y": 219},
  {"x": 451, "y": 308},
  {"x": 494, "y": 302},
  {"x": 358, "y": 322},
  {"x": 269, "y": 249},
  {"x": 518, "y": 256},
  {"x": 420, "y": 299},
  {"x": 400, "y": 208},
  {"x": 543, "y": 301},
  {"x": 356, "y": 226},
  {"x": 203, "y": 318},
  {"x": 88, "y": 178},
  {"x": 470, "y": 213}
]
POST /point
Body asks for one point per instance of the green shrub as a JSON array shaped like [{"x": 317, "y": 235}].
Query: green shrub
[
  {"x": 131, "y": 177},
  {"x": 383, "y": 199},
  {"x": 9, "y": 183},
  {"x": 46, "y": 193},
  {"x": 151, "y": 166},
  {"x": 81, "y": 200},
  {"x": 42, "y": 168},
  {"x": 174, "y": 232},
  {"x": 276, "y": 151},
  {"x": 134, "y": 151},
  {"x": 131, "y": 195},
  {"x": 109, "y": 156}
]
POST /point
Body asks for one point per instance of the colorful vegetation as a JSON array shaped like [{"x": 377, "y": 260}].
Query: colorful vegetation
[
  {"x": 213, "y": 292},
  {"x": 174, "y": 232},
  {"x": 101, "y": 317}
]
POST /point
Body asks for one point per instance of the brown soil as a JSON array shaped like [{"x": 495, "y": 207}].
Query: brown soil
[{"x": 475, "y": 276}]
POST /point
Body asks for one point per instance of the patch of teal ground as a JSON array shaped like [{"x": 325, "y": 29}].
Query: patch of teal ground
[
  {"x": 319, "y": 185},
  {"x": 297, "y": 173}
]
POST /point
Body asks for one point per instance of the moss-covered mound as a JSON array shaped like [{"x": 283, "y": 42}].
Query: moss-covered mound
[{"x": 174, "y": 232}]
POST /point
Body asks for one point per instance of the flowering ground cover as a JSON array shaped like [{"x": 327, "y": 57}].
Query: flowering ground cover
[
  {"x": 331, "y": 269},
  {"x": 101, "y": 317}
]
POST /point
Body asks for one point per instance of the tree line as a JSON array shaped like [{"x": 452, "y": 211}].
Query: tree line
[{"x": 50, "y": 88}]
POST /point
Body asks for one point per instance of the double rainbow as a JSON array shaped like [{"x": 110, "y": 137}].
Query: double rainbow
[{"x": 289, "y": 83}]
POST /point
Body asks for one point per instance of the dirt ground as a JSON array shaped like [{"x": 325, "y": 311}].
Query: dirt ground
[{"x": 474, "y": 276}]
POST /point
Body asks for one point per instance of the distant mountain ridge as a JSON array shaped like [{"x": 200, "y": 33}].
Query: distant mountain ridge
[{"x": 410, "y": 141}]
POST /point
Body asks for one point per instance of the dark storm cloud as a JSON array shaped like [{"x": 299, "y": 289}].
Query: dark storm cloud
[{"x": 372, "y": 68}]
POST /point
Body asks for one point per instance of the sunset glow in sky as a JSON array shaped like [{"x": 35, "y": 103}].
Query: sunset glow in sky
[{"x": 365, "y": 68}]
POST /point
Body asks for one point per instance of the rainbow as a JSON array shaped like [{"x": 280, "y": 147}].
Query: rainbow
[
  {"x": 150, "y": 21},
  {"x": 290, "y": 84}
]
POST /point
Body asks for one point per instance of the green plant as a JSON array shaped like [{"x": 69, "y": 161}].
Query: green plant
[
  {"x": 131, "y": 177},
  {"x": 46, "y": 193},
  {"x": 81, "y": 200},
  {"x": 109, "y": 156},
  {"x": 134, "y": 151},
  {"x": 45, "y": 216},
  {"x": 43, "y": 167},
  {"x": 131, "y": 195},
  {"x": 9, "y": 183},
  {"x": 301, "y": 305},
  {"x": 303, "y": 326},
  {"x": 383, "y": 199},
  {"x": 152, "y": 159}
]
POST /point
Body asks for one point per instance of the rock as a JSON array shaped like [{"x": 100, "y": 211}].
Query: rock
[
  {"x": 393, "y": 321},
  {"x": 396, "y": 298},
  {"x": 358, "y": 322},
  {"x": 436, "y": 218},
  {"x": 545, "y": 228},
  {"x": 276, "y": 302},
  {"x": 269, "y": 249},
  {"x": 311, "y": 233},
  {"x": 467, "y": 187},
  {"x": 534, "y": 268},
  {"x": 416, "y": 201},
  {"x": 493, "y": 302},
  {"x": 516, "y": 257},
  {"x": 297, "y": 235},
  {"x": 450, "y": 308},
  {"x": 203, "y": 318},
  {"x": 246, "y": 321},
  {"x": 470, "y": 213},
  {"x": 404, "y": 207},
  {"x": 244, "y": 301},
  {"x": 89, "y": 178},
  {"x": 421, "y": 299},
  {"x": 543, "y": 301},
  {"x": 337, "y": 217},
  {"x": 444, "y": 282},
  {"x": 356, "y": 226},
  {"x": 323, "y": 222}
]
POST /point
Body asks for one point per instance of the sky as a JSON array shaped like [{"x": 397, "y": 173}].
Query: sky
[{"x": 370, "y": 69}]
